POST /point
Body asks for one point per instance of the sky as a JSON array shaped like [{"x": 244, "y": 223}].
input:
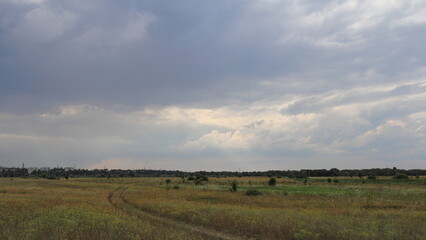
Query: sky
[{"x": 213, "y": 85}]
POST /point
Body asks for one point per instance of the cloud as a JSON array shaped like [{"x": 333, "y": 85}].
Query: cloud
[
  {"x": 215, "y": 139},
  {"x": 377, "y": 95},
  {"x": 242, "y": 84},
  {"x": 74, "y": 26},
  {"x": 143, "y": 53},
  {"x": 259, "y": 132},
  {"x": 329, "y": 24}
]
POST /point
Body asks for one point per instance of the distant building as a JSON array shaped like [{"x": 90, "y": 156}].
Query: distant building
[
  {"x": 68, "y": 169},
  {"x": 45, "y": 169}
]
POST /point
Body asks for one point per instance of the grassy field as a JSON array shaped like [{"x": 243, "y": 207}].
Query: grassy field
[{"x": 151, "y": 208}]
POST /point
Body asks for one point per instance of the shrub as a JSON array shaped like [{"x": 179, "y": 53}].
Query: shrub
[
  {"x": 400, "y": 176},
  {"x": 336, "y": 180},
  {"x": 253, "y": 192},
  {"x": 202, "y": 178},
  {"x": 234, "y": 186},
  {"x": 176, "y": 187},
  {"x": 371, "y": 177},
  {"x": 168, "y": 181},
  {"x": 272, "y": 181},
  {"x": 329, "y": 180}
]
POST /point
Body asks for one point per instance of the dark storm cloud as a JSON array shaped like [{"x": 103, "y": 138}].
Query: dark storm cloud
[
  {"x": 153, "y": 52},
  {"x": 108, "y": 52}
]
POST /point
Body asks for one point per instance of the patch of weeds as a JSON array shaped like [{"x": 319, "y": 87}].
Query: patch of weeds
[
  {"x": 234, "y": 186},
  {"x": 253, "y": 192}
]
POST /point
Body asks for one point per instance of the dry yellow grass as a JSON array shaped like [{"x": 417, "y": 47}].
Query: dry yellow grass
[
  {"x": 75, "y": 209},
  {"x": 88, "y": 209}
]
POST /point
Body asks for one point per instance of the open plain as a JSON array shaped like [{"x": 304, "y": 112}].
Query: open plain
[{"x": 177, "y": 208}]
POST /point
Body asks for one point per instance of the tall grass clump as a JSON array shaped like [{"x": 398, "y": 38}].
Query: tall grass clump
[
  {"x": 234, "y": 186},
  {"x": 253, "y": 192}
]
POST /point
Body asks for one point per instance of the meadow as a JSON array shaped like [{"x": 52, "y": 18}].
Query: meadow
[{"x": 176, "y": 208}]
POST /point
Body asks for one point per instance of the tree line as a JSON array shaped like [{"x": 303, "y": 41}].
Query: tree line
[{"x": 303, "y": 173}]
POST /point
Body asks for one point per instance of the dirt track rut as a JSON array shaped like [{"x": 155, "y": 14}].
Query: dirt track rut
[{"x": 117, "y": 199}]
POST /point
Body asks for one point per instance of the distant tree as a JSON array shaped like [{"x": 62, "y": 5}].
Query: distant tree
[
  {"x": 272, "y": 181},
  {"x": 329, "y": 180},
  {"x": 168, "y": 181},
  {"x": 334, "y": 172}
]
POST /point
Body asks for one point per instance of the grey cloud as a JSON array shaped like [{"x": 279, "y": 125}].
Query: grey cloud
[
  {"x": 148, "y": 52},
  {"x": 336, "y": 70},
  {"x": 383, "y": 95}
]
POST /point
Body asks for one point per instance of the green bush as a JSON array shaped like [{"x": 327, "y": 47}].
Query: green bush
[
  {"x": 400, "y": 176},
  {"x": 272, "y": 181},
  {"x": 202, "y": 178}
]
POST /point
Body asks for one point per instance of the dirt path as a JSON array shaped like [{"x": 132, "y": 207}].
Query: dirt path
[{"x": 116, "y": 198}]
